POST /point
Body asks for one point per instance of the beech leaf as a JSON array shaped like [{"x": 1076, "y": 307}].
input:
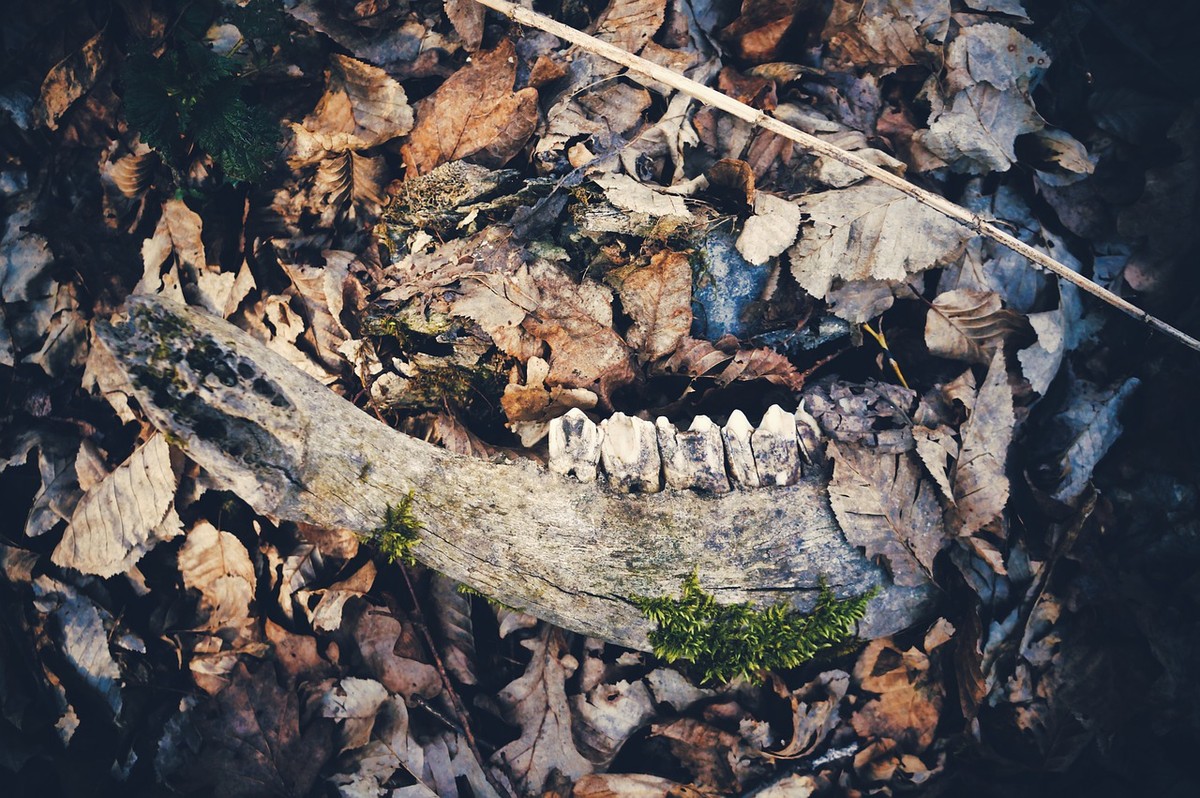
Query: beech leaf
[
  {"x": 659, "y": 299},
  {"x": 980, "y": 484},
  {"x": 123, "y": 516},
  {"x": 725, "y": 362},
  {"x": 474, "y": 113},
  {"x": 969, "y": 325},
  {"x": 362, "y": 107},
  {"x": 885, "y": 505}
]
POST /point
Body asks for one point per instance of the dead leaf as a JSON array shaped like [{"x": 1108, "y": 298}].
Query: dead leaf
[
  {"x": 326, "y": 607},
  {"x": 724, "y": 362},
  {"x": 632, "y": 785},
  {"x": 537, "y": 703},
  {"x": 474, "y": 113},
  {"x": 70, "y": 79},
  {"x": 885, "y": 505},
  {"x": 456, "y": 630},
  {"x": 217, "y": 565},
  {"x": 870, "y": 231},
  {"x": 124, "y": 516},
  {"x": 362, "y": 107},
  {"x": 348, "y": 181},
  {"x": 629, "y": 24},
  {"x": 467, "y": 18},
  {"x": 980, "y": 484},
  {"x": 378, "y": 635},
  {"x": 718, "y": 760},
  {"x": 608, "y": 715},
  {"x": 84, "y": 630},
  {"x": 393, "y": 749},
  {"x": 354, "y": 703},
  {"x": 321, "y": 293},
  {"x": 877, "y": 415},
  {"x": 756, "y": 33},
  {"x": 251, "y": 741},
  {"x": 658, "y": 297},
  {"x": 969, "y": 325},
  {"x": 770, "y": 230},
  {"x": 174, "y": 258},
  {"x": 975, "y": 132},
  {"x": 910, "y": 697},
  {"x": 814, "y": 713},
  {"x": 885, "y": 34},
  {"x": 530, "y": 407}
]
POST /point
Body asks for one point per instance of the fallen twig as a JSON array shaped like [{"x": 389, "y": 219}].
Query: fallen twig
[{"x": 716, "y": 99}]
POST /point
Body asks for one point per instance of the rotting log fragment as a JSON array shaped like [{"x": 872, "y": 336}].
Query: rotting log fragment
[{"x": 572, "y": 553}]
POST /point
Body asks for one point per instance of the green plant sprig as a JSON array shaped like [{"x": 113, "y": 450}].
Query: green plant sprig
[
  {"x": 724, "y": 641},
  {"x": 399, "y": 533}
]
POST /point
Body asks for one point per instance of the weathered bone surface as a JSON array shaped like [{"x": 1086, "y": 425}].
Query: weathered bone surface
[
  {"x": 738, "y": 454},
  {"x": 629, "y": 454},
  {"x": 568, "y": 552},
  {"x": 574, "y": 445},
  {"x": 694, "y": 458},
  {"x": 776, "y": 453}
]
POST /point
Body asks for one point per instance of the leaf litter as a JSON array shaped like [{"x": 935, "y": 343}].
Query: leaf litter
[{"x": 558, "y": 256}]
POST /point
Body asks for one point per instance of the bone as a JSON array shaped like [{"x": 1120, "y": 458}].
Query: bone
[
  {"x": 776, "y": 451},
  {"x": 693, "y": 459},
  {"x": 629, "y": 454},
  {"x": 808, "y": 432},
  {"x": 738, "y": 454},
  {"x": 575, "y": 445}
]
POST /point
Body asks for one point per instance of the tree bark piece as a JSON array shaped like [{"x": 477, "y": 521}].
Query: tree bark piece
[{"x": 571, "y": 553}]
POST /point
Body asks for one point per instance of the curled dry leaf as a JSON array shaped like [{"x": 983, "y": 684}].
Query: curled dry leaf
[
  {"x": 84, "y": 630},
  {"x": 870, "y": 231},
  {"x": 969, "y": 325},
  {"x": 216, "y": 564},
  {"x": 632, "y": 785},
  {"x": 885, "y": 34},
  {"x": 70, "y": 79},
  {"x": 362, "y": 107},
  {"x": 537, "y": 703},
  {"x": 717, "y": 759},
  {"x": 530, "y": 407},
  {"x": 910, "y": 695},
  {"x": 467, "y": 18},
  {"x": 658, "y": 297},
  {"x": 124, "y": 515},
  {"x": 474, "y": 113},
  {"x": 354, "y": 703},
  {"x": 980, "y": 483},
  {"x": 725, "y": 362},
  {"x": 378, "y": 636},
  {"x": 608, "y": 715},
  {"x": 814, "y": 713},
  {"x": 885, "y": 505},
  {"x": 756, "y": 33},
  {"x": 629, "y": 24},
  {"x": 456, "y": 631},
  {"x": 771, "y": 229}
]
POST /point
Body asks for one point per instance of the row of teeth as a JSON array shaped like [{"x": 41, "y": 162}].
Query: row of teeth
[{"x": 638, "y": 456}]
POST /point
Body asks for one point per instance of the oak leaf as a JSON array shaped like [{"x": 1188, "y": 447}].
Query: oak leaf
[{"x": 910, "y": 697}]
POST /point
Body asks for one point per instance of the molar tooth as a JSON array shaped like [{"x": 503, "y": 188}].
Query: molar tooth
[
  {"x": 629, "y": 453},
  {"x": 812, "y": 443},
  {"x": 693, "y": 459},
  {"x": 575, "y": 445},
  {"x": 776, "y": 451},
  {"x": 736, "y": 433}
]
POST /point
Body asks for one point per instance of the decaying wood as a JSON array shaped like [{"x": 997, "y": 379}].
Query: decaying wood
[
  {"x": 568, "y": 552},
  {"x": 712, "y": 97}
]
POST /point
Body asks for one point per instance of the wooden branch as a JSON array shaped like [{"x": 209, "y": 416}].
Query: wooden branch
[
  {"x": 569, "y": 552},
  {"x": 716, "y": 99}
]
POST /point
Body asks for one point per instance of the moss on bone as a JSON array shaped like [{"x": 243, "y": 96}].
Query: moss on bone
[
  {"x": 399, "y": 532},
  {"x": 725, "y": 641}
]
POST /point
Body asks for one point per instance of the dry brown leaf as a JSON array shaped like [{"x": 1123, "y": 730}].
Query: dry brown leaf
[
  {"x": 759, "y": 29},
  {"x": 770, "y": 230},
  {"x": 530, "y": 407},
  {"x": 362, "y": 107},
  {"x": 975, "y": 132},
  {"x": 346, "y": 181},
  {"x": 938, "y": 449},
  {"x": 353, "y": 702},
  {"x": 870, "y": 231},
  {"x": 980, "y": 484},
  {"x": 910, "y": 697},
  {"x": 174, "y": 256},
  {"x": 608, "y": 715},
  {"x": 474, "y": 113},
  {"x": 884, "y": 504},
  {"x": 321, "y": 292},
  {"x": 467, "y": 18},
  {"x": 537, "y": 703},
  {"x": 378, "y": 636},
  {"x": 724, "y": 362},
  {"x": 216, "y": 564},
  {"x": 629, "y": 24},
  {"x": 969, "y": 325},
  {"x": 885, "y": 34},
  {"x": 632, "y": 785},
  {"x": 717, "y": 759},
  {"x": 658, "y": 297},
  {"x": 814, "y": 713},
  {"x": 70, "y": 79},
  {"x": 124, "y": 515}
]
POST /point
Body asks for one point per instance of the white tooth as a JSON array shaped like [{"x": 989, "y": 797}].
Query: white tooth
[
  {"x": 574, "y": 445},
  {"x": 812, "y": 443},
  {"x": 738, "y": 454},
  {"x": 629, "y": 454},
  {"x": 776, "y": 452},
  {"x": 693, "y": 459}
]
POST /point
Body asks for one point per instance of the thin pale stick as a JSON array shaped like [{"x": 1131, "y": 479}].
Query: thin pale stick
[{"x": 716, "y": 99}]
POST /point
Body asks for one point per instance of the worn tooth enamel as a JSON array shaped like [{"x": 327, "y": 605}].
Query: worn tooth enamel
[
  {"x": 776, "y": 451},
  {"x": 629, "y": 454},
  {"x": 812, "y": 444},
  {"x": 574, "y": 445},
  {"x": 693, "y": 459},
  {"x": 738, "y": 454}
]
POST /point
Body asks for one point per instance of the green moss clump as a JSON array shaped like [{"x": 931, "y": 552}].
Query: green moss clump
[
  {"x": 399, "y": 533},
  {"x": 725, "y": 641}
]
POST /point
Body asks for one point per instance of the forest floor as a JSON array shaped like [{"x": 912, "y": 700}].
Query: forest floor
[{"x": 325, "y": 175}]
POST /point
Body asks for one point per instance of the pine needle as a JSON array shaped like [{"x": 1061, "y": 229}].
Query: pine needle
[{"x": 716, "y": 99}]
